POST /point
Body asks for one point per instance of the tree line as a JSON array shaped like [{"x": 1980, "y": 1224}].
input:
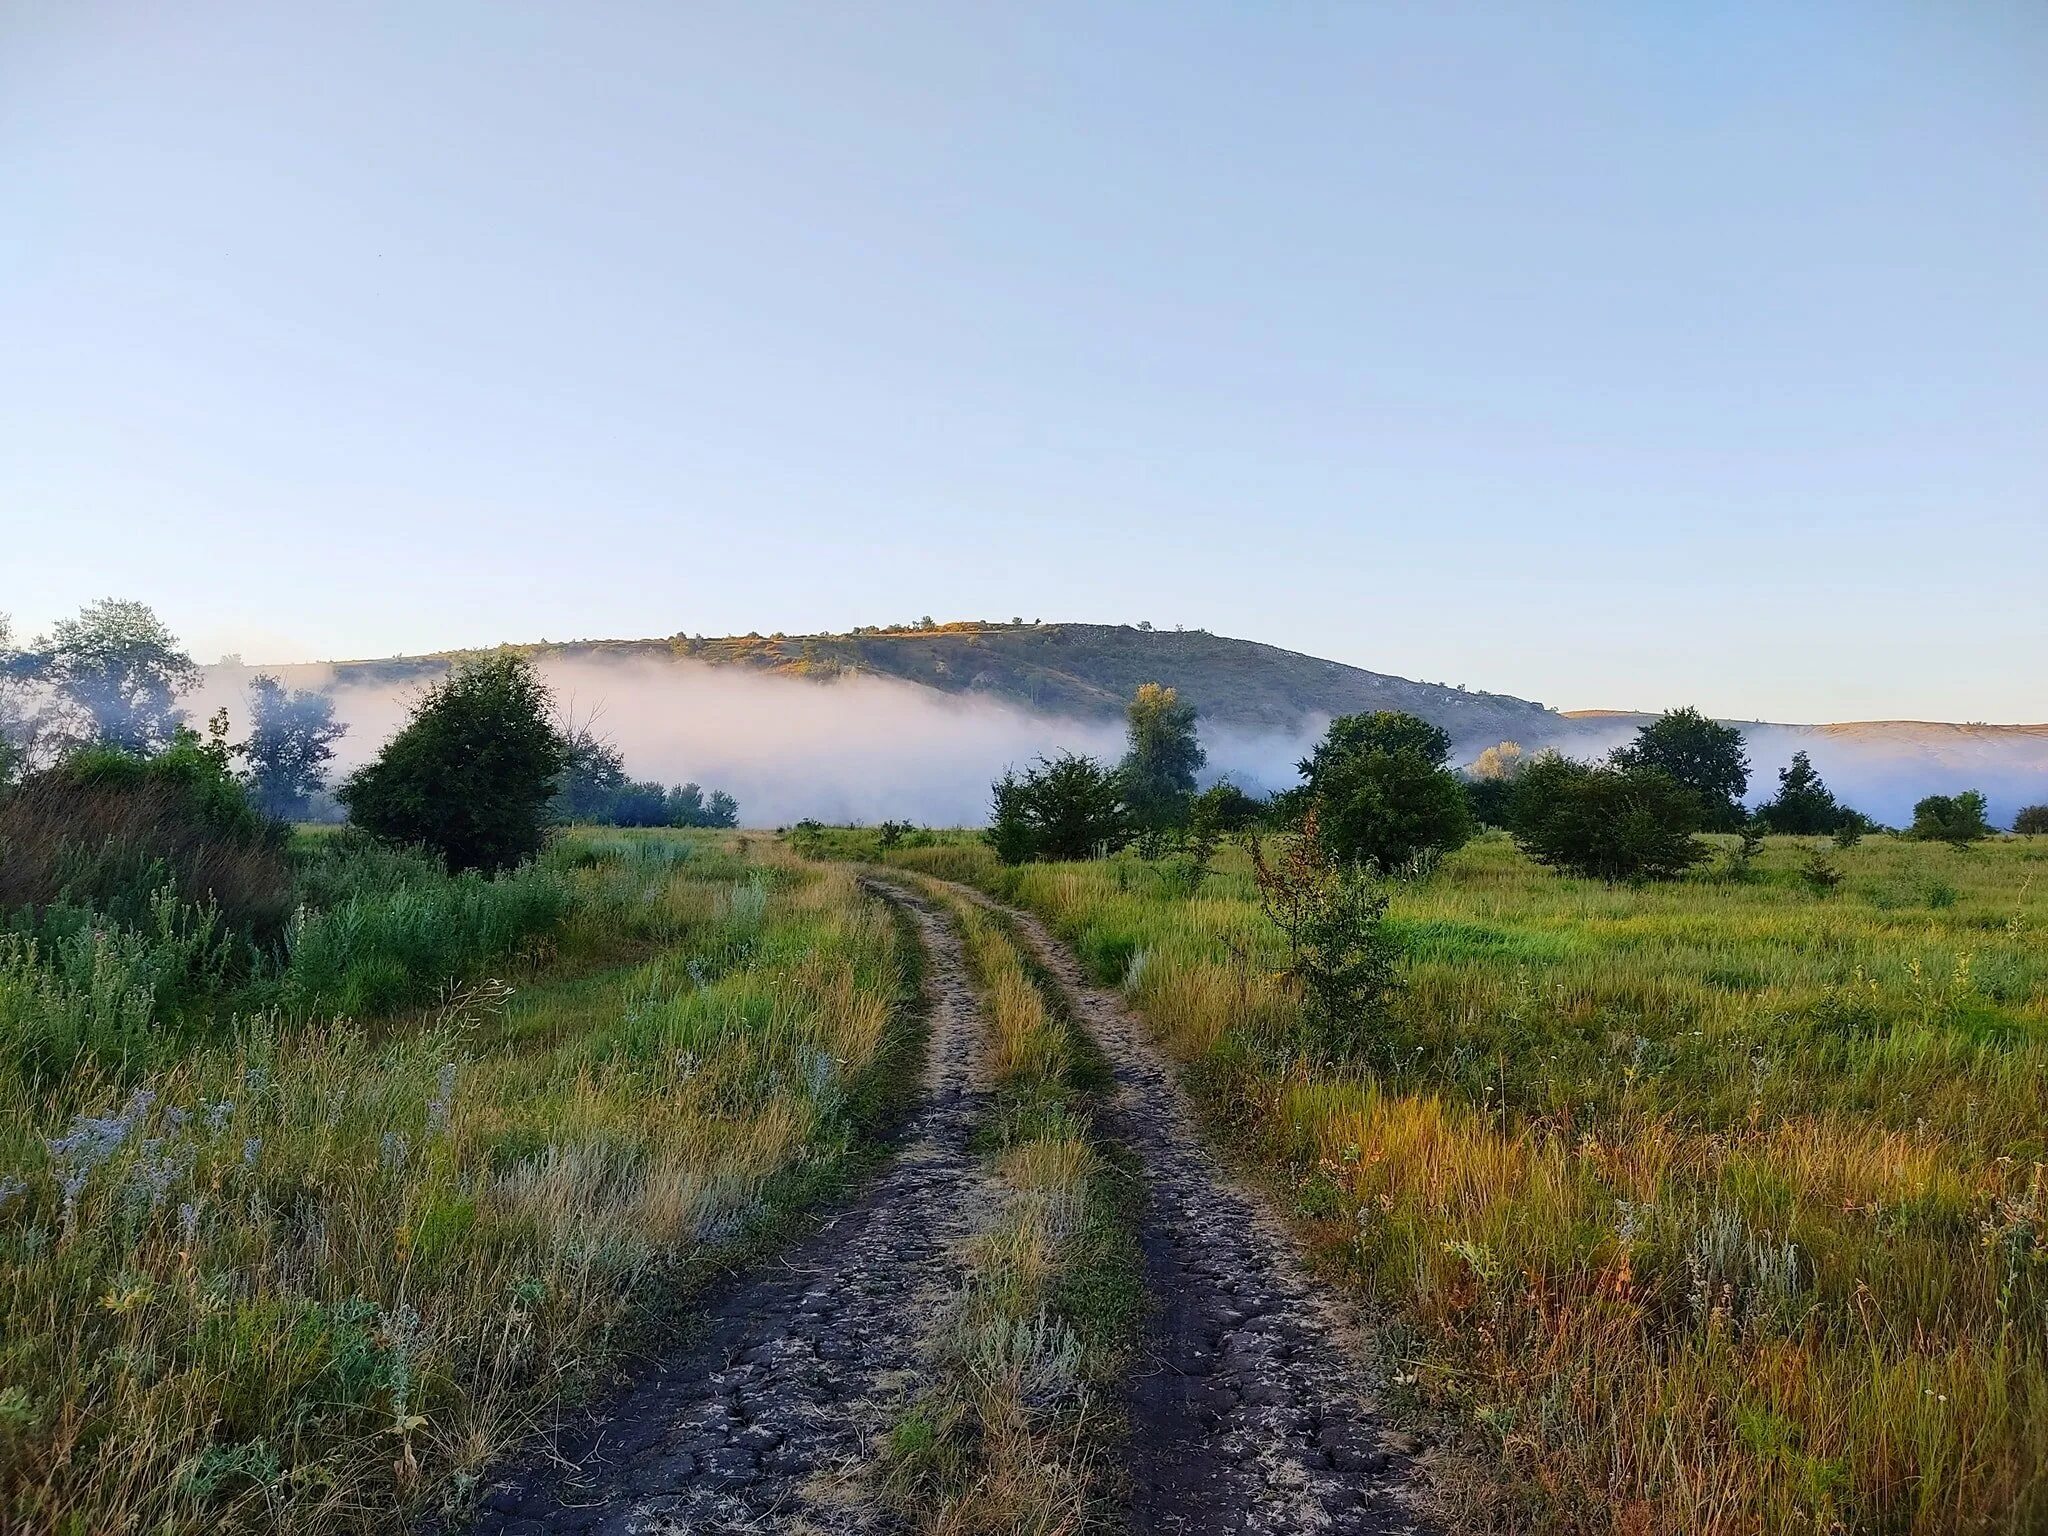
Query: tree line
[
  {"x": 108, "y": 682},
  {"x": 1379, "y": 792}
]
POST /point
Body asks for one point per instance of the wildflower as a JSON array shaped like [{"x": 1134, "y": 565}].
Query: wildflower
[
  {"x": 218, "y": 1114},
  {"x": 188, "y": 1222},
  {"x": 11, "y": 1187},
  {"x": 251, "y": 1146},
  {"x": 392, "y": 1149}
]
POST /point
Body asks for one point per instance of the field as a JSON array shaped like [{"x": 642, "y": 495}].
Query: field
[
  {"x": 282, "y": 1272},
  {"x": 1711, "y": 1207}
]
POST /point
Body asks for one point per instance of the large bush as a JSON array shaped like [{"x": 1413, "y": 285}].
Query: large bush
[
  {"x": 2032, "y": 821},
  {"x": 1955, "y": 819},
  {"x": 1606, "y": 822},
  {"x": 1067, "y": 807},
  {"x": 1381, "y": 792},
  {"x": 472, "y": 773},
  {"x": 1701, "y": 754}
]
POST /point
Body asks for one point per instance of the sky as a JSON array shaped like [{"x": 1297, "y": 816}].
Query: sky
[{"x": 1612, "y": 356}]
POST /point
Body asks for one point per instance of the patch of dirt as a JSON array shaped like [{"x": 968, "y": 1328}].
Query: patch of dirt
[
  {"x": 763, "y": 1422},
  {"x": 1253, "y": 1405}
]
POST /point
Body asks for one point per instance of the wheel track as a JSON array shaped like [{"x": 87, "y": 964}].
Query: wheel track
[
  {"x": 764, "y": 1421},
  {"x": 1252, "y": 1410}
]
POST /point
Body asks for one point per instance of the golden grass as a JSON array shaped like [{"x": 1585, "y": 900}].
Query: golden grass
[{"x": 1709, "y": 1207}]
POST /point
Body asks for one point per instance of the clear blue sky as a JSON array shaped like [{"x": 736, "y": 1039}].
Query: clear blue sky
[{"x": 1612, "y": 356}]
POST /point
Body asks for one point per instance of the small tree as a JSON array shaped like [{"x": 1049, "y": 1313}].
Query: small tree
[
  {"x": 1957, "y": 820},
  {"x": 1703, "y": 755},
  {"x": 291, "y": 741},
  {"x": 472, "y": 772},
  {"x": 1606, "y": 823},
  {"x": 1340, "y": 958},
  {"x": 2032, "y": 821},
  {"x": 1805, "y": 806},
  {"x": 120, "y": 670},
  {"x": 1381, "y": 793},
  {"x": 1068, "y": 807},
  {"x": 1163, "y": 757}
]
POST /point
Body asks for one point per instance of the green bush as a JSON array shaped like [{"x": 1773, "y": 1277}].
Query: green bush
[
  {"x": 1954, "y": 819},
  {"x": 1382, "y": 793},
  {"x": 1606, "y": 823}
]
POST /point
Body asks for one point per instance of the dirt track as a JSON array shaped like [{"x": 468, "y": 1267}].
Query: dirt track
[{"x": 1247, "y": 1412}]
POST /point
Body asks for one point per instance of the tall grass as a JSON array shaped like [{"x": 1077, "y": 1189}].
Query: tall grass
[
  {"x": 314, "y": 1277},
  {"x": 1710, "y": 1207}
]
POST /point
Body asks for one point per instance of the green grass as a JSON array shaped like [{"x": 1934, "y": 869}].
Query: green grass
[
  {"x": 1710, "y": 1207},
  {"x": 312, "y": 1276}
]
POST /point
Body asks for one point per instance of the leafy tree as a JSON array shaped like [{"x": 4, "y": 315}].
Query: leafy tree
[
  {"x": 1606, "y": 822},
  {"x": 2032, "y": 821},
  {"x": 1490, "y": 782},
  {"x": 1226, "y": 808},
  {"x": 594, "y": 789},
  {"x": 1339, "y": 955},
  {"x": 1010, "y": 831},
  {"x": 1804, "y": 806},
  {"x": 471, "y": 774},
  {"x": 1163, "y": 758},
  {"x": 291, "y": 741},
  {"x": 1068, "y": 807},
  {"x": 1954, "y": 819},
  {"x": 1703, "y": 755},
  {"x": 1381, "y": 793},
  {"x": 120, "y": 670}
]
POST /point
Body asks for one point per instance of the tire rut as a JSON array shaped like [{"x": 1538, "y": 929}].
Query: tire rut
[
  {"x": 1250, "y": 1410},
  {"x": 763, "y": 1421}
]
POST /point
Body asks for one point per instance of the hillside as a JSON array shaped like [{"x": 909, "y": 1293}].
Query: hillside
[
  {"x": 1260, "y": 706},
  {"x": 1083, "y": 670}
]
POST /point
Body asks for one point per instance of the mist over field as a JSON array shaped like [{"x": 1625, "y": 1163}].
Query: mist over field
[{"x": 868, "y": 748}]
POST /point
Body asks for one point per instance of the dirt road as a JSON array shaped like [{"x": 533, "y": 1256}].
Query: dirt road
[{"x": 1251, "y": 1410}]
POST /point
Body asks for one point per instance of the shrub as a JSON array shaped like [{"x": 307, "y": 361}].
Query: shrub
[
  {"x": 472, "y": 773},
  {"x": 1804, "y": 805},
  {"x": 1954, "y": 819},
  {"x": 106, "y": 831},
  {"x": 1339, "y": 956},
  {"x": 291, "y": 741},
  {"x": 1701, "y": 754},
  {"x": 1606, "y": 823},
  {"x": 1068, "y": 807},
  {"x": 1381, "y": 793},
  {"x": 2032, "y": 821}
]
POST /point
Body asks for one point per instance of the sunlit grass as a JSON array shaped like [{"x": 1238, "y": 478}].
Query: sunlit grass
[{"x": 1709, "y": 1207}]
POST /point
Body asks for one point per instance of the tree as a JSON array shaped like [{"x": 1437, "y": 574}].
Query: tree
[
  {"x": 1703, "y": 755},
  {"x": 1068, "y": 807},
  {"x": 1805, "y": 806},
  {"x": 1490, "y": 781},
  {"x": 1954, "y": 819},
  {"x": 1226, "y": 808},
  {"x": 1381, "y": 793},
  {"x": 1339, "y": 955},
  {"x": 2032, "y": 821},
  {"x": 1163, "y": 758},
  {"x": 291, "y": 741},
  {"x": 471, "y": 774},
  {"x": 120, "y": 670},
  {"x": 1606, "y": 822}
]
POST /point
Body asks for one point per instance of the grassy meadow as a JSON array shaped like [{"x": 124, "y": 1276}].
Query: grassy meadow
[
  {"x": 1716, "y": 1206},
  {"x": 313, "y": 1267}
]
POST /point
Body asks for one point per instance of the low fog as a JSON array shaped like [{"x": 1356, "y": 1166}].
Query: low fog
[
  {"x": 854, "y": 748},
  {"x": 864, "y": 748}
]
